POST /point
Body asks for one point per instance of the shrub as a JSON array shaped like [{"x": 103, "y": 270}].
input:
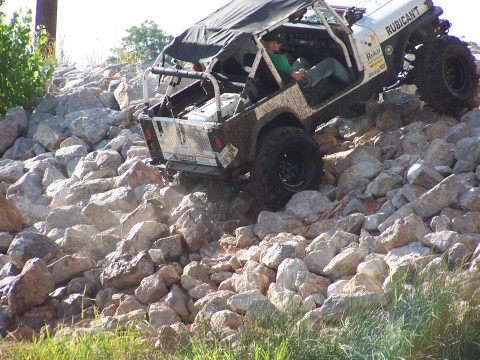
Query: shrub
[{"x": 23, "y": 71}]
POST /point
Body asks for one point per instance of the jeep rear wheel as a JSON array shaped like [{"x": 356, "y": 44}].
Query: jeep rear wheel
[
  {"x": 445, "y": 74},
  {"x": 288, "y": 161}
]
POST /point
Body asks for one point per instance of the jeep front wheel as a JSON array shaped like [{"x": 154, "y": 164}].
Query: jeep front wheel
[
  {"x": 445, "y": 73},
  {"x": 288, "y": 161}
]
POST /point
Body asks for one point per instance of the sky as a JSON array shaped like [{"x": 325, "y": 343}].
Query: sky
[{"x": 88, "y": 29}]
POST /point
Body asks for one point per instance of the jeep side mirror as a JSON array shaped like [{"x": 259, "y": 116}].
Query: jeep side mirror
[{"x": 353, "y": 14}]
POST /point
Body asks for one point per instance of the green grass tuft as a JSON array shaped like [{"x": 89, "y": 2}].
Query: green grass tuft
[{"x": 436, "y": 319}]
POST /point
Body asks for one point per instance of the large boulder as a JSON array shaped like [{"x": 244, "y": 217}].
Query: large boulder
[
  {"x": 10, "y": 217},
  {"x": 30, "y": 288},
  {"x": 28, "y": 245},
  {"x": 346, "y": 262},
  {"x": 404, "y": 232},
  {"x": 126, "y": 271}
]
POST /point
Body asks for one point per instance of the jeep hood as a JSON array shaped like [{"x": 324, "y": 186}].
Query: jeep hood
[{"x": 228, "y": 28}]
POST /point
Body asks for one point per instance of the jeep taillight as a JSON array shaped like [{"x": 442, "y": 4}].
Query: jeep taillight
[
  {"x": 217, "y": 141},
  {"x": 197, "y": 67},
  {"x": 148, "y": 138},
  {"x": 148, "y": 134}
]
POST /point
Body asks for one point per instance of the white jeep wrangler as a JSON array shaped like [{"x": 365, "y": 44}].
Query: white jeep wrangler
[{"x": 240, "y": 115}]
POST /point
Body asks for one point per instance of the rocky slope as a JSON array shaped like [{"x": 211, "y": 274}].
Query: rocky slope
[{"x": 89, "y": 230}]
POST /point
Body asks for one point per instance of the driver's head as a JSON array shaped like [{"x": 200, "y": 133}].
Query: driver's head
[{"x": 272, "y": 41}]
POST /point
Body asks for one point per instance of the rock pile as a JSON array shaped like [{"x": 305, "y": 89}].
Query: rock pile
[{"x": 90, "y": 231}]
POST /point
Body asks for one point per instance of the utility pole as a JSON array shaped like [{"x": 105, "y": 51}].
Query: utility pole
[{"x": 47, "y": 16}]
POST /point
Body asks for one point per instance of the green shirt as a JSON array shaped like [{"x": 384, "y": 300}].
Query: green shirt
[{"x": 281, "y": 63}]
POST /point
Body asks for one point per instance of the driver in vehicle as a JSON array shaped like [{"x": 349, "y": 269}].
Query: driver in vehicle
[{"x": 301, "y": 70}]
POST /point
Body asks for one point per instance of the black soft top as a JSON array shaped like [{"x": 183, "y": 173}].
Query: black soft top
[{"x": 230, "y": 27}]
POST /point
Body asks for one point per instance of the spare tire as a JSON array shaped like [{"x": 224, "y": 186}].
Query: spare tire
[
  {"x": 288, "y": 161},
  {"x": 445, "y": 74}
]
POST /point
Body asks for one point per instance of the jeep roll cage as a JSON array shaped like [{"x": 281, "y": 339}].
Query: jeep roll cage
[{"x": 292, "y": 13}]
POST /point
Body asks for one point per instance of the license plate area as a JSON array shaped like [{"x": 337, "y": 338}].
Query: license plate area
[{"x": 186, "y": 141}]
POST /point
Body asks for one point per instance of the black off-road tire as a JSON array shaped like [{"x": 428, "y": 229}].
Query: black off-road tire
[
  {"x": 288, "y": 161},
  {"x": 445, "y": 74}
]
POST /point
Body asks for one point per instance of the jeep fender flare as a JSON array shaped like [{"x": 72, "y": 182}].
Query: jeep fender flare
[
  {"x": 284, "y": 117},
  {"x": 418, "y": 28}
]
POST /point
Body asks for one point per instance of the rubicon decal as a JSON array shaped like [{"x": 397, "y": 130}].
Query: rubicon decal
[{"x": 402, "y": 21}]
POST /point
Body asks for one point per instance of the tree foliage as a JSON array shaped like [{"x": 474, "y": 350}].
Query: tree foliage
[
  {"x": 23, "y": 71},
  {"x": 144, "y": 42}
]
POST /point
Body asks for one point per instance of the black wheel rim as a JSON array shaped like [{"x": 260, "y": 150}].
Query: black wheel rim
[
  {"x": 454, "y": 72},
  {"x": 292, "y": 168}
]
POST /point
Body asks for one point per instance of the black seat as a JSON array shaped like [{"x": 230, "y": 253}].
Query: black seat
[
  {"x": 228, "y": 83},
  {"x": 264, "y": 80}
]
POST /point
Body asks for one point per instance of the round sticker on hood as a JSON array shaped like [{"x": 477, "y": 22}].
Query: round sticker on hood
[{"x": 389, "y": 50}]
